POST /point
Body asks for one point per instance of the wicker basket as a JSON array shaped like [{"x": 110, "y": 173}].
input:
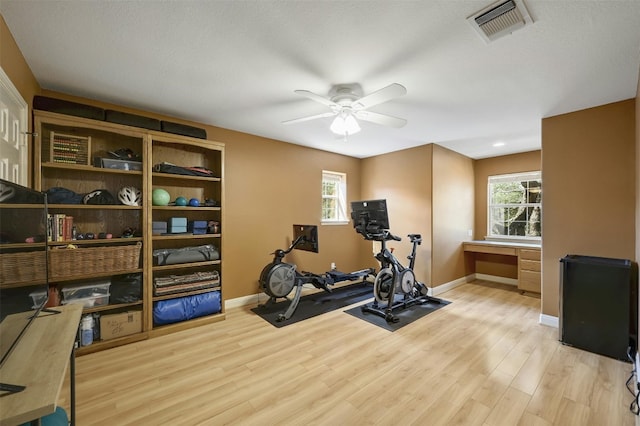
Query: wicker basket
[
  {"x": 22, "y": 268},
  {"x": 68, "y": 263}
]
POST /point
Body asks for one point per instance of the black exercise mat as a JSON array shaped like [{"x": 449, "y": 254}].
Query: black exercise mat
[
  {"x": 315, "y": 304},
  {"x": 407, "y": 316}
]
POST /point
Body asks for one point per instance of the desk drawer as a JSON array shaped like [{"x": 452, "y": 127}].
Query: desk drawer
[
  {"x": 530, "y": 254},
  {"x": 481, "y": 248},
  {"x": 529, "y": 281},
  {"x": 530, "y": 265}
]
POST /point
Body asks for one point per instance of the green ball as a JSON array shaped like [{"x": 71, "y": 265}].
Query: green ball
[
  {"x": 181, "y": 201},
  {"x": 160, "y": 197}
]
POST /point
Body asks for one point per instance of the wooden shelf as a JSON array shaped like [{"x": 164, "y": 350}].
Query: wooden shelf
[
  {"x": 185, "y": 265},
  {"x": 185, "y": 237},
  {"x": 21, "y": 206},
  {"x": 185, "y": 325},
  {"x": 22, "y": 246},
  {"x": 111, "y": 307},
  {"x": 185, "y": 293},
  {"x": 97, "y": 241},
  {"x": 87, "y": 168},
  {"x": 157, "y": 175},
  {"x": 91, "y": 276},
  {"x": 92, "y": 207},
  {"x": 187, "y": 208},
  {"x": 22, "y": 284},
  {"x": 100, "y": 345}
]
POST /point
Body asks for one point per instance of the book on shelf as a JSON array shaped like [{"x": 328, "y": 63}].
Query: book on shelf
[{"x": 59, "y": 227}]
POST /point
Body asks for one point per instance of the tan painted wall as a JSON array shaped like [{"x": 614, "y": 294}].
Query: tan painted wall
[
  {"x": 403, "y": 178},
  {"x": 588, "y": 166},
  {"x": 501, "y": 266},
  {"x": 505, "y": 164},
  {"x": 453, "y": 213},
  {"x": 15, "y": 66},
  {"x": 271, "y": 185},
  {"x": 429, "y": 190}
]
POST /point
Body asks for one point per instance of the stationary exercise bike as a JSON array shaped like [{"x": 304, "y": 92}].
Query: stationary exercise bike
[
  {"x": 279, "y": 278},
  {"x": 370, "y": 219}
]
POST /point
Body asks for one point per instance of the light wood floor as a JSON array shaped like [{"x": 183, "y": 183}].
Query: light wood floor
[{"x": 482, "y": 360}]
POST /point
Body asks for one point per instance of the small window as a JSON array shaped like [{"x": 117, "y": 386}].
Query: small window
[
  {"x": 515, "y": 206},
  {"x": 334, "y": 197}
]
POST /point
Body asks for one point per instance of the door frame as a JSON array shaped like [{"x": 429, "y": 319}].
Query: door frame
[{"x": 15, "y": 123}]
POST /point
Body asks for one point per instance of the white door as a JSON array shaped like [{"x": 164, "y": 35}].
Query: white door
[{"x": 14, "y": 159}]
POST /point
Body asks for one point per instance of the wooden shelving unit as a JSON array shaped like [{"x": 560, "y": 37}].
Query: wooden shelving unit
[{"x": 117, "y": 219}]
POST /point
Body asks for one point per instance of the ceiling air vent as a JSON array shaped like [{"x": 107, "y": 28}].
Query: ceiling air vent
[{"x": 500, "y": 19}]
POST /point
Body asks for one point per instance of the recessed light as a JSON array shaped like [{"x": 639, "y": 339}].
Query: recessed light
[{"x": 497, "y": 144}]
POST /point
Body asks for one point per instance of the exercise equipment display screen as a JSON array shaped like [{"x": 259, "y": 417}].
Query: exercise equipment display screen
[
  {"x": 310, "y": 237},
  {"x": 371, "y": 213}
]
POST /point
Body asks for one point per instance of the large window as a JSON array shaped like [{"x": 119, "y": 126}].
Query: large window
[
  {"x": 334, "y": 197},
  {"x": 515, "y": 206}
]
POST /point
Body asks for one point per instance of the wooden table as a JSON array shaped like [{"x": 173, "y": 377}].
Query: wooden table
[{"x": 39, "y": 363}]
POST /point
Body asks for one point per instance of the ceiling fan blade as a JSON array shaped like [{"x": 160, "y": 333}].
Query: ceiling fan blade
[
  {"x": 311, "y": 117},
  {"x": 383, "y": 95},
  {"x": 317, "y": 98},
  {"x": 382, "y": 119}
]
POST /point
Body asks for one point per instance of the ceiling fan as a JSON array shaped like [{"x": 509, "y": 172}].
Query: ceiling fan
[{"x": 347, "y": 104}]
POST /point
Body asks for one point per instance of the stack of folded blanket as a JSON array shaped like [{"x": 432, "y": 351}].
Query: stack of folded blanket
[{"x": 172, "y": 284}]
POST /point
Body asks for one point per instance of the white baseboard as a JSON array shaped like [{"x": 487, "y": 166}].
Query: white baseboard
[
  {"x": 254, "y": 299},
  {"x": 496, "y": 279},
  {"x": 251, "y": 299},
  {"x": 549, "y": 320},
  {"x": 434, "y": 291}
]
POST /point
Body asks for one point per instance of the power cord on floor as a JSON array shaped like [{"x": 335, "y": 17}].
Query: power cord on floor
[{"x": 632, "y": 383}]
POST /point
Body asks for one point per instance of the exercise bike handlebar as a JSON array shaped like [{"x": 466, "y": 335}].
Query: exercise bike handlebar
[
  {"x": 380, "y": 235},
  {"x": 390, "y": 236},
  {"x": 280, "y": 254}
]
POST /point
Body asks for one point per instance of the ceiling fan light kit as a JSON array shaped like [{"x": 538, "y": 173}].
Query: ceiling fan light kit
[
  {"x": 348, "y": 106},
  {"x": 345, "y": 124}
]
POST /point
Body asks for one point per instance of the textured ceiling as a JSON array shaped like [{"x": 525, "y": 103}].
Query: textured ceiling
[{"x": 236, "y": 64}]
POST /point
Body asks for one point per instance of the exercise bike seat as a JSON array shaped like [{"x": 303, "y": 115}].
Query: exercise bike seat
[{"x": 415, "y": 237}]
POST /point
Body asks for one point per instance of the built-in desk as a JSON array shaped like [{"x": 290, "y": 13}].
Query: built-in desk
[
  {"x": 528, "y": 256},
  {"x": 39, "y": 363}
]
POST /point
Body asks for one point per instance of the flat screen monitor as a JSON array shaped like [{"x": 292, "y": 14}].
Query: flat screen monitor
[
  {"x": 309, "y": 234},
  {"x": 23, "y": 261},
  {"x": 370, "y": 216}
]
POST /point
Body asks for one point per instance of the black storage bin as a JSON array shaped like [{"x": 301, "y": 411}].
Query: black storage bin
[
  {"x": 44, "y": 103},
  {"x": 126, "y": 288},
  {"x": 183, "y": 129},
  {"x": 132, "y": 120},
  {"x": 599, "y": 305}
]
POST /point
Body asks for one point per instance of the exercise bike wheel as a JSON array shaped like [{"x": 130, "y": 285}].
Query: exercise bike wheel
[
  {"x": 407, "y": 281},
  {"x": 280, "y": 280},
  {"x": 383, "y": 285}
]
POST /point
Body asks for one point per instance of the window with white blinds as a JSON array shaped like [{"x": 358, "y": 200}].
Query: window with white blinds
[
  {"x": 515, "y": 206},
  {"x": 334, "y": 197}
]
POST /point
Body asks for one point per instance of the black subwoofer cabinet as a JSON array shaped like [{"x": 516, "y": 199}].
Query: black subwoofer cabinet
[{"x": 599, "y": 305}]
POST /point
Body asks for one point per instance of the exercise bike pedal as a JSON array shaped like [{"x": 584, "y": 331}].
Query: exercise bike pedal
[
  {"x": 391, "y": 318},
  {"x": 422, "y": 289}
]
